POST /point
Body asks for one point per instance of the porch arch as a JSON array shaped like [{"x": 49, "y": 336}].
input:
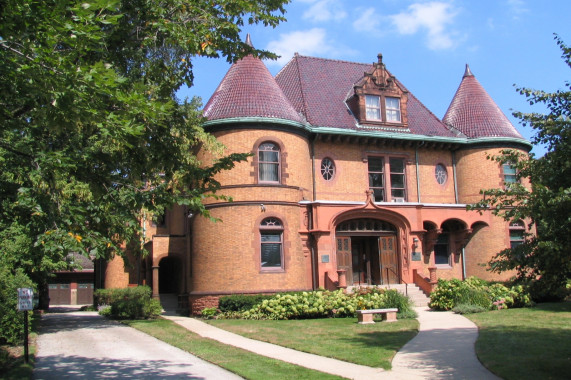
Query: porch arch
[{"x": 367, "y": 249}]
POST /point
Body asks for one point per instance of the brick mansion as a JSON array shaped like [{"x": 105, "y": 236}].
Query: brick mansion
[{"x": 351, "y": 181}]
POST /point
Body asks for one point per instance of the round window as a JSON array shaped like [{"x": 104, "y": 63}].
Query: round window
[
  {"x": 327, "y": 168},
  {"x": 441, "y": 174}
]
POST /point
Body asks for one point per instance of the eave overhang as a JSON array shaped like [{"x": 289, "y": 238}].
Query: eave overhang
[{"x": 379, "y": 138}]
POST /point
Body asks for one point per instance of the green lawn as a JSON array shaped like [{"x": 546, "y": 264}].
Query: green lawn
[
  {"x": 241, "y": 362},
  {"x": 530, "y": 343},
  {"x": 341, "y": 338}
]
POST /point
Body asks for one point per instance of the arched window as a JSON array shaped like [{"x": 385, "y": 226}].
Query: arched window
[
  {"x": 517, "y": 233},
  {"x": 271, "y": 244},
  {"x": 269, "y": 163}
]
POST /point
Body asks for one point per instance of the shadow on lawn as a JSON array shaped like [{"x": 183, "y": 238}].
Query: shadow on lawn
[{"x": 516, "y": 352}]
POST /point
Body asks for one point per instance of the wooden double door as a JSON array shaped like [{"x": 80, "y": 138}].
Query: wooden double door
[{"x": 368, "y": 260}]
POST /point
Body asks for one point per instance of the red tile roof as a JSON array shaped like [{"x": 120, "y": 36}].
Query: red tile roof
[
  {"x": 318, "y": 88},
  {"x": 474, "y": 113},
  {"x": 249, "y": 90}
]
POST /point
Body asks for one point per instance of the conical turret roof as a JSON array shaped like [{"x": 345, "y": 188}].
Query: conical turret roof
[
  {"x": 474, "y": 113},
  {"x": 249, "y": 90}
]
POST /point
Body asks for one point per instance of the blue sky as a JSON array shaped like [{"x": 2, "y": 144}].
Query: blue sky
[{"x": 425, "y": 44}]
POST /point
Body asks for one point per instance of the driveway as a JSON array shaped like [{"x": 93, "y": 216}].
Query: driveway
[{"x": 84, "y": 345}]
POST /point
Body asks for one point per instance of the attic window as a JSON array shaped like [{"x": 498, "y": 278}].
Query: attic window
[
  {"x": 393, "y": 109},
  {"x": 382, "y": 109},
  {"x": 373, "y": 107}
]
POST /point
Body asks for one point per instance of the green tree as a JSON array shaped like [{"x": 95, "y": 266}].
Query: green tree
[
  {"x": 544, "y": 258},
  {"x": 91, "y": 132}
]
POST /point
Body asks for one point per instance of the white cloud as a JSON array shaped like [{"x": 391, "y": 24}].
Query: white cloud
[
  {"x": 306, "y": 42},
  {"x": 517, "y": 8},
  {"x": 368, "y": 21},
  {"x": 324, "y": 10},
  {"x": 432, "y": 17}
]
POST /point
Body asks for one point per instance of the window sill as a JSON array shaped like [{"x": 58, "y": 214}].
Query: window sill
[
  {"x": 443, "y": 266},
  {"x": 272, "y": 270}
]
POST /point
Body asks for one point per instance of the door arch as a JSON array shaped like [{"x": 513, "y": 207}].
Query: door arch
[{"x": 367, "y": 249}]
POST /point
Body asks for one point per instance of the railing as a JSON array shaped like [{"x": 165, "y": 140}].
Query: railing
[{"x": 400, "y": 279}]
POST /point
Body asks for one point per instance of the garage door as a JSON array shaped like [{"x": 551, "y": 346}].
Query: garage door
[
  {"x": 60, "y": 294},
  {"x": 84, "y": 293}
]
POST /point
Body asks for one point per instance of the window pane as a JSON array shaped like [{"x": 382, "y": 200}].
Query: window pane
[
  {"x": 508, "y": 169},
  {"x": 392, "y": 103},
  {"x": 268, "y": 156},
  {"x": 392, "y": 109},
  {"x": 379, "y": 195},
  {"x": 397, "y": 165},
  {"x": 516, "y": 235},
  {"x": 397, "y": 193},
  {"x": 271, "y": 237},
  {"x": 373, "y": 107},
  {"x": 397, "y": 180},
  {"x": 271, "y": 255},
  {"x": 376, "y": 180},
  {"x": 376, "y": 164},
  {"x": 269, "y": 172}
]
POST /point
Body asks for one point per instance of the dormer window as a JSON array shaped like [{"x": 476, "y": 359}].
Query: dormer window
[
  {"x": 379, "y": 100},
  {"x": 393, "y": 109},
  {"x": 373, "y": 107}
]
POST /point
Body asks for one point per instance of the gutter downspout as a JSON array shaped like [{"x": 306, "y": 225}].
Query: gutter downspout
[
  {"x": 315, "y": 270},
  {"x": 417, "y": 172},
  {"x": 455, "y": 179},
  {"x": 463, "y": 264}
]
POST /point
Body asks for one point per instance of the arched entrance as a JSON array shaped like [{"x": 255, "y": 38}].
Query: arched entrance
[{"x": 367, "y": 251}]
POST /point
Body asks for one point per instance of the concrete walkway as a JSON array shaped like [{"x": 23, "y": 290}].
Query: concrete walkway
[
  {"x": 85, "y": 345},
  {"x": 443, "y": 349}
]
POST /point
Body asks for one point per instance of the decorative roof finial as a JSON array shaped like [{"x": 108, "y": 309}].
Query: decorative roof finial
[
  {"x": 249, "y": 41},
  {"x": 380, "y": 58},
  {"x": 468, "y": 72}
]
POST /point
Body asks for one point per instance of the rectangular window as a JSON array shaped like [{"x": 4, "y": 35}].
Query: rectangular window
[
  {"x": 373, "y": 107},
  {"x": 398, "y": 193},
  {"x": 517, "y": 233},
  {"x": 441, "y": 251},
  {"x": 509, "y": 174},
  {"x": 392, "y": 106},
  {"x": 377, "y": 178},
  {"x": 269, "y": 166},
  {"x": 271, "y": 249}
]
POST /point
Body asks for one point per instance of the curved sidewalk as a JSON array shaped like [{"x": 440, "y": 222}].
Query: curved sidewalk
[{"x": 443, "y": 349}]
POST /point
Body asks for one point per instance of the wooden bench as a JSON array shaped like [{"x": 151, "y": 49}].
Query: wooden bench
[{"x": 366, "y": 316}]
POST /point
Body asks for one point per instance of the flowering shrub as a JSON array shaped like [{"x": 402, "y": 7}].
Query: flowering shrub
[
  {"x": 323, "y": 303},
  {"x": 477, "y": 292}
]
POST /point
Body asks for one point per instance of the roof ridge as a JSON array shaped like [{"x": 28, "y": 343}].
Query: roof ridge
[{"x": 335, "y": 60}]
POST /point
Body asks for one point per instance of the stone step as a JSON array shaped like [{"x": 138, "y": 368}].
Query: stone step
[{"x": 413, "y": 291}]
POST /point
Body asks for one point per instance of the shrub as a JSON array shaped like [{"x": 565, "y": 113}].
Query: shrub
[
  {"x": 477, "y": 292},
  {"x": 445, "y": 294},
  {"x": 208, "y": 312},
  {"x": 240, "y": 302},
  {"x": 129, "y": 303},
  {"x": 478, "y": 297},
  {"x": 12, "y": 320},
  {"x": 464, "y": 308},
  {"x": 323, "y": 303}
]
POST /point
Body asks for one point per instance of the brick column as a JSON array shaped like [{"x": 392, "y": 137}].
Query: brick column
[{"x": 156, "y": 282}]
